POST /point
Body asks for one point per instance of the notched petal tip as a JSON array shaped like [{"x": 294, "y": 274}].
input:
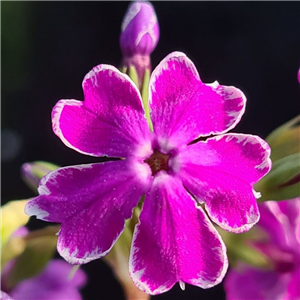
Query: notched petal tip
[
  {"x": 91, "y": 79},
  {"x": 234, "y": 104},
  {"x": 56, "y": 120},
  {"x": 164, "y": 64},
  {"x": 92, "y": 75},
  {"x": 266, "y": 163},
  {"x": 33, "y": 209}
]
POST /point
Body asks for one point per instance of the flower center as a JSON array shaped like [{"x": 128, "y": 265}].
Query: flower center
[{"x": 157, "y": 162}]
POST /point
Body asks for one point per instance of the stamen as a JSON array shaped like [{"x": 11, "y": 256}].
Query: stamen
[{"x": 158, "y": 161}]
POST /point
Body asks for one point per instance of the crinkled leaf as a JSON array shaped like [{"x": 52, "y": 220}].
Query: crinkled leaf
[{"x": 283, "y": 181}]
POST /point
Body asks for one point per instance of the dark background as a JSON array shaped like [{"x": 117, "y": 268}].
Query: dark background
[{"x": 48, "y": 47}]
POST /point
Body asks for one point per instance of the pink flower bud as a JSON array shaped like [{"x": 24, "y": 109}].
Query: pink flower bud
[{"x": 140, "y": 30}]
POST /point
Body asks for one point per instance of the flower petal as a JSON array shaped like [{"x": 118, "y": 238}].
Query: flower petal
[
  {"x": 109, "y": 122},
  {"x": 4, "y": 296},
  {"x": 220, "y": 172},
  {"x": 248, "y": 283},
  {"x": 293, "y": 289},
  {"x": 92, "y": 203},
  {"x": 174, "y": 235},
  {"x": 183, "y": 108},
  {"x": 281, "y": 220}
]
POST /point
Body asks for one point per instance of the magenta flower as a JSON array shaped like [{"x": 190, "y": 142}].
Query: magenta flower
[
  {"x": 175, "y": 173},
  {"x": 52, "y": 283},
  {"x": 281, "y": 221}
]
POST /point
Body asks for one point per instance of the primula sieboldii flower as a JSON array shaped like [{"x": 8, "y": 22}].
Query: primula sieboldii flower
[
  {"x": 176, "y": 174},
  {"x": 281, "y": 222}
]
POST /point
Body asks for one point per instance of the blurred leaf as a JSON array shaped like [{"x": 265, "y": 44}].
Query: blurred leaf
[
  {"x": 40, "y": 248},
  {"x": 12, "y": 217},
  {"x": 33, "y": 172},
  {"x": 285, "y": 140},
  {"x": 283, "y": 181},
  {"x": 11, "y": 249},
  {"x": 238, "y": 248}
]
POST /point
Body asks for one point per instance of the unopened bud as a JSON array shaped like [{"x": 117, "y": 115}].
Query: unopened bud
[
  {"x": 33, "y": 172},
  {"x": 139, "y": 37},
  {"x": 140, "y": 30}
]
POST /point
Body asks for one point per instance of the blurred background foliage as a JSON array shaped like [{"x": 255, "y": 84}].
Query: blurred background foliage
[{"x": 48, "y": 47}]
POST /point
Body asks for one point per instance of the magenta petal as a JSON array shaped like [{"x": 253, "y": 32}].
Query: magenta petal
[
  {"x": 249, "y": 283},
  {"x": 221, "y": 172},
  {"x": 109, "y": 122},
  {"x": 4, "y": 296},
  {"x": 92, "y": 203},
  {"x": 281, "y": 221},
  {"x": 293, "y": 289},
  {"x": 184, "y": 108},
  {"x": 174, "y": 241}
]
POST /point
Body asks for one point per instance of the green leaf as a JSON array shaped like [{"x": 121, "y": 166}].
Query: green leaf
[
  {"x": 283, "y": 181},
  {"x": 285, "y": 140},
  {"x": 145, "y": 91},
  {"x": 40, "y": 248}
]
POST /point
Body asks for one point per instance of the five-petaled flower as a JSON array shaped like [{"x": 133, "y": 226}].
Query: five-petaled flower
[{"x": 178, "y": 176}]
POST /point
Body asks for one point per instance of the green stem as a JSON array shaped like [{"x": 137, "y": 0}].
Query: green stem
[{"x": 144, "y": 92}]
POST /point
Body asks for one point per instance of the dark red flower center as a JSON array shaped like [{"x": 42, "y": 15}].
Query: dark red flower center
[{"x": 158, "y": 161}]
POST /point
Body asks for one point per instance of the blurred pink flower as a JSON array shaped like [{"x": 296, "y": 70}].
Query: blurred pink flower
[
  {"x": 52, "y": 283},
  {"x": 281, "y": 221}
]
